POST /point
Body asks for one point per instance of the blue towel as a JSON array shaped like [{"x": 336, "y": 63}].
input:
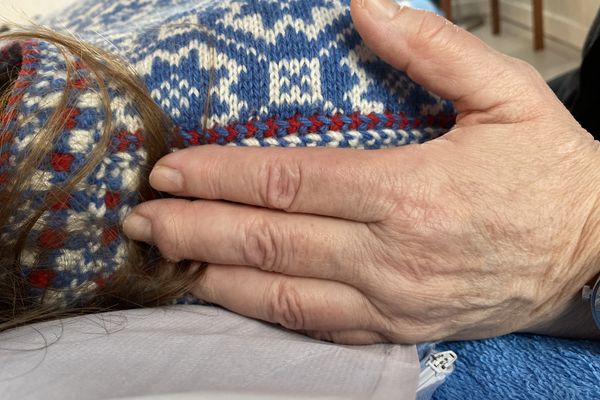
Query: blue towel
[{"x": 523, "y": 367}]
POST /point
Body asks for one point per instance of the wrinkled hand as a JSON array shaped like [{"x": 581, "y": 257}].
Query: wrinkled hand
[{"x": 491, "y": 229}]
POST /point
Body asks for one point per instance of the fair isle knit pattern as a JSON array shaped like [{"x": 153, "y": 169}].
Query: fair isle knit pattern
[{"x": 275, "y": 72}]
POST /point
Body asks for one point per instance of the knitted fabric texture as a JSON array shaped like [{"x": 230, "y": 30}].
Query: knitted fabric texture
[{"x": 284, "y": 73}]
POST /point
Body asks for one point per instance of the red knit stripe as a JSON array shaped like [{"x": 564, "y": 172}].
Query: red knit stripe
[
  {"x": 112, "y": 199},
  {"x": 338, "y": 122},
  {"x": 52, "y": 238},
  {"x": 110, "y": 234},
  {"x": 41, "y": 279},
  {"x": 62, "y": 162}
]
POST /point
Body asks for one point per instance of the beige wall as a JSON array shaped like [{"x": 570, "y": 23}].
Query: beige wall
[
  {"x": 22, "y": 10},
  {"x": 565, "y": 20}
]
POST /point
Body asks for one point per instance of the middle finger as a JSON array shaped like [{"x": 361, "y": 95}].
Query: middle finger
[{"x": 227, "y": 233}]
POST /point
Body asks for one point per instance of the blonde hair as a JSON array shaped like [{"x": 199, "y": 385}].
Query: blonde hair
[{"x": 145, "y": 280}]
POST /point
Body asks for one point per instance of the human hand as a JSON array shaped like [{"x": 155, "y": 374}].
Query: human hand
[{"x": 491, "y": 229}]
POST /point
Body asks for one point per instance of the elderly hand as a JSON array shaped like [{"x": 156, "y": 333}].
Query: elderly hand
[{"x": 491, "y": 229}]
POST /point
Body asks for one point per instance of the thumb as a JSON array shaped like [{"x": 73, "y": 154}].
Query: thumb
[{"x": 449, "y": 61}]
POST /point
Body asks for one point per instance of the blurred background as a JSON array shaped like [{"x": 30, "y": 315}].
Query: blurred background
[
  {"x": 562, "y": 25},
  {"x": 565, "y": 25}
]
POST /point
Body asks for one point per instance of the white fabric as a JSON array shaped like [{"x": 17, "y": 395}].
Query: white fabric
[{"x": 195, "y": 352}]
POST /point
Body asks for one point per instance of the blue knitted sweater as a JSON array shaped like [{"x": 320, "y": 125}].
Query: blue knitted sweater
[{"x": 274, "y": 73}]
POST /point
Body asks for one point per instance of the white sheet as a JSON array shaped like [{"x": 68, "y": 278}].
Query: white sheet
[{"x": 195, "y": 352}]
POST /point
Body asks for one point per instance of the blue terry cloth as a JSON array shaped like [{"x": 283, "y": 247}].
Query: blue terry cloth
[{"x": 522, "y": 366}]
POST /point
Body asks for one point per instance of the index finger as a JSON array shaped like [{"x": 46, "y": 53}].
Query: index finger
[{"x": 342, "y": 183}]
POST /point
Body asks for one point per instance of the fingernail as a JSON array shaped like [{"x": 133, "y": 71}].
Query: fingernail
[
  {"x": 138, "y": 228},
  {"x": 381, "y": 9},
  {"x": 166, "y": 179}
]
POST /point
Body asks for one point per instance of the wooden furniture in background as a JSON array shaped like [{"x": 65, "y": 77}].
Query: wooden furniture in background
[
  {"x": 495, "y": 16},
  {"x": 538, "y": 24},
  {"x": 538, "y": 19},
  {"x": 446, "y": 6}
]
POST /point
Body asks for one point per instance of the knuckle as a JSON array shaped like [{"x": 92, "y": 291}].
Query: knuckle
[
  {"x": 167, "y": 242},
  {"x": 281, "y": 183},
  {"x": 417, "y": 207},
  {"x": 526, "y": 68},
  {"x": 523, "y": 72},
  {"x": 432, "y": 27},
  {"x": 205, "y": 286},
  {"x": 285, "y": 306},
  {"x": 261, "y": 249},
  {"x": 170, "y": 236}
]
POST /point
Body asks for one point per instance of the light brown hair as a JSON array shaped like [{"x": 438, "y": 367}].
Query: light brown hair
[{"x": 146, "y": 279}]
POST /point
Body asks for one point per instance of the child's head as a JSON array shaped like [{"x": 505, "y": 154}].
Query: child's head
[{"x": 68, "y": 178}]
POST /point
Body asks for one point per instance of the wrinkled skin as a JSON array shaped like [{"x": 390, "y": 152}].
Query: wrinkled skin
[{"x": 491, "y": 229}]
